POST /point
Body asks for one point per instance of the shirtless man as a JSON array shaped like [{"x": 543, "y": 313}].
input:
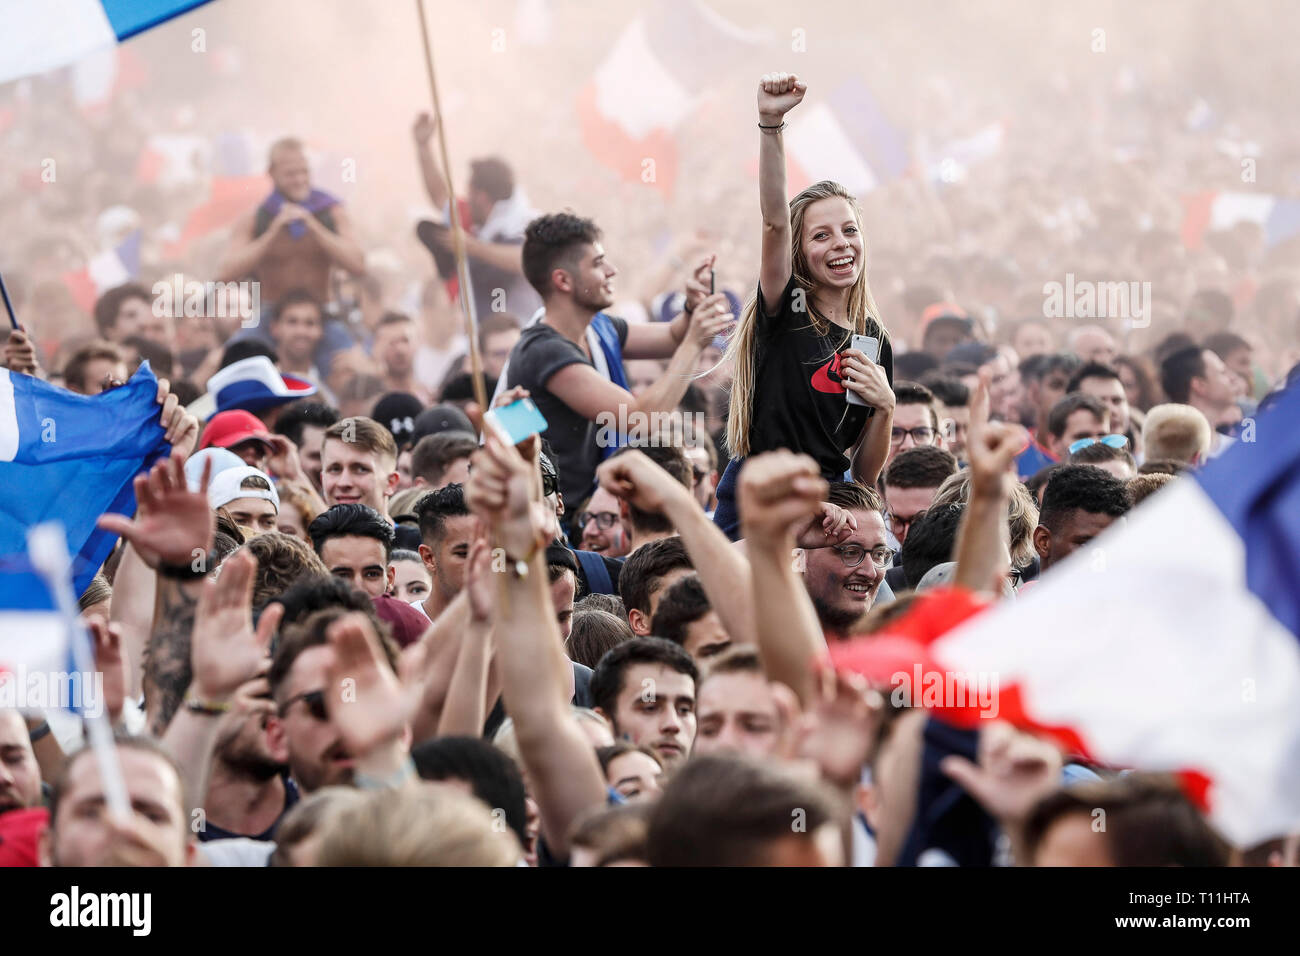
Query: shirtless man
[{"x": 294, "y": 237}]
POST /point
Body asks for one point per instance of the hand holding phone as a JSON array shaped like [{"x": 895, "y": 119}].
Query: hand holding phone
[
  {"x": 869, "y": 346},
  {"x": 516, "y": 422}
]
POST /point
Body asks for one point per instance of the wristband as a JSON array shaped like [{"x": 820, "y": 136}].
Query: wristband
[
  {"x": 186, "y": 572},
  {"x": 772, "y": 129},
  {"x": 206, "y": 708},
  {"x": 40, "y": 731}
]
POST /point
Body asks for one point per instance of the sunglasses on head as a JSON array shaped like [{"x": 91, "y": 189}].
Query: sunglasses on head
[{"x": 1110, "y": 441}]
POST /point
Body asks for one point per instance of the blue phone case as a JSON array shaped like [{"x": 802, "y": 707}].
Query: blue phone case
[{"x": 518, "y": 420}]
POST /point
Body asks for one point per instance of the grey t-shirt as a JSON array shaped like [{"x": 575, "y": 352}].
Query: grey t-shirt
[{"x": 541, "y": 352}]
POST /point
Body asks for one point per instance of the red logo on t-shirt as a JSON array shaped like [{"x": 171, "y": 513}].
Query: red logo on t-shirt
[{"x": 827, "y": 378}]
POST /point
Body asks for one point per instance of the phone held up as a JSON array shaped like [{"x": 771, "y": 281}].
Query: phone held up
[{"x": 869, "y": 345}]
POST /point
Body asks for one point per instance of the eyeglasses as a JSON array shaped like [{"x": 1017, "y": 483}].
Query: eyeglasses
[
  {"x": 1110, "y": 441},
  {"x": 900, "y": 525},
  {"x": 923, "y": 435},
  {"x": 549, "y": 484},
  {"x": 604, "y": 519},
  {"x": 315, "y": 701},
  {"x": 854, "y": 554}
]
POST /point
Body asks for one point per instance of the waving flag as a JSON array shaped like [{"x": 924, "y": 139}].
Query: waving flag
[
  {"x": 1171, "y": 643},
  {"x": 848, "y": 138},
  {"x": 650, "y": 81},
  {"x": 1211, "y": 211},
  {"x": 71, "y": 458},
  {"x": 41, "y": 35}
]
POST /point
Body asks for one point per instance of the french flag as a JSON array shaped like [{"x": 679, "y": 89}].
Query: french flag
[
  {"x": 106, "y": 269},
  {"x": 846, "y": 137},
  {"x": 1170, "y": 644},
  {"x": 49, "y": 34},
  {"x": 1213, "y": 210},
  {"x": 649, "y": 82}
]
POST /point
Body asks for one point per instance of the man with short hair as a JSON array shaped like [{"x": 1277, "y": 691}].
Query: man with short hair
[
  {"x": 304, "y": 424},
  {"x": 645, "y": 687},
  {"x": 565, "y": 262},
  {"x": 295, "y": 237},
  {"x": 1174, "y": 432},
  {"x": 646, "y": 576},
  {"x": 359, "y": 466},
  {"x": 916, "y": 419},
  {"x": 446, "y": 532},
  {"x": 1196, "y": 376},
  {"x": 1079, "y": 503},
  {"x": 911, "y": 480},
  {"x": 602, "y": 526},
  {"x": 442, "y": 459},
  {"x": 355, "y": 542},
  {"x": 301, "y": 733},
  {"x": 1045, "y": 379},
  {"x": 297, "y": 328},
  {"x": 1117, "y": 460},
  {"x": 394, "y": 347},
  {"x": 724, "y": 810},
  {"x": 844, "y": 578},
  {"x": 1073, "y": 418},
  {"x": 953, "y": 400},
  {"x": 92, "y": 367},
  {"x": 20, "y": 774},
  {"x": 736, "y": 708},
  {"x": 1103, "y": 383},
  {"x": 685, "y": 616},
  {"x": 81, "y": 831},
  {"x": 494, "y": 212},
  {"x": 497, "y": 335},
  {"x": 249, "y": 495}
]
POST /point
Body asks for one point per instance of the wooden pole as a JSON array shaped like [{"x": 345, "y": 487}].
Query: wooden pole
[{"x": 465, "y": 287}]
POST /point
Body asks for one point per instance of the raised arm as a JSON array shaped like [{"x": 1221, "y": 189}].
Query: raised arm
[
  {"x": 589, "y": 393},
  {"x": 778, "y": 93},
  {"x": 434, "y": 182},
  {"x": 723, "y": 570},
  {"x": 982, "y": 539},
  {"x": 564, "y": 775},
  {"x": 779, "y": 492},
  {"x": 465, "y": 708}
]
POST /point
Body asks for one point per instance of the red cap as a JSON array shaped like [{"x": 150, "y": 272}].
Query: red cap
[
  {"x": 227, "y": 429},
  {"x": 20, "y": 835},
  {"x": 406, "y": 623}
]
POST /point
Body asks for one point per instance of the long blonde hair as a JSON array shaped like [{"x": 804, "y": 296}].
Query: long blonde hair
[{"x": 741, "y": 350}]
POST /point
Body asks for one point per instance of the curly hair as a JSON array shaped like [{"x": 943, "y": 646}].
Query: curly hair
[{"x": 281, "y": 560}]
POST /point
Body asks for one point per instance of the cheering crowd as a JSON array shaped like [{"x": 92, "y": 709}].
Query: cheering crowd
[{"x": 350, "y": 623}]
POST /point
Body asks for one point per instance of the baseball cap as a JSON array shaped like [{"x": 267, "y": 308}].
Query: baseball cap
[
  {"x": 221, "y": 460},
  {"x": 397, "y": 411},
  {"x": 441, "y": 418},
  {"x": 225, "y": 487},
  {"x": 255, "y": 384},
  {"x": 406, "y": 623},
  {"x": 227, "y": 429}
]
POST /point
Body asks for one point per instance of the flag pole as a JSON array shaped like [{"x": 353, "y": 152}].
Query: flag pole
[
  {"x": 9, "y": 306},
  {"x": 49, "y": 556},
  {"x": 466, "y": 289}
]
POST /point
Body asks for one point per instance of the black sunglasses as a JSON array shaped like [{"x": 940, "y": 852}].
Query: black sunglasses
[{"x": 315, "y": 701}]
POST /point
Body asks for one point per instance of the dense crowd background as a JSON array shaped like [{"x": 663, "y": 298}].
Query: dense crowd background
[{"x": 1111, "y": 129}]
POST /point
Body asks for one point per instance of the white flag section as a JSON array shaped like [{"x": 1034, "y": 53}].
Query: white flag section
[
  {"x": 1149, "y": 646},
  {"x": 41, "y": 35}
]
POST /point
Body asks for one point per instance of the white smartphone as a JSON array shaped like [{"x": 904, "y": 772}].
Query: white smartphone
[{"x": 869, "y": 346}]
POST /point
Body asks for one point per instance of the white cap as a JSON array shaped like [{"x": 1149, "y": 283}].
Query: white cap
[
  {"x": 225, "y": 487},
  {"x": 222, "y": 458}
]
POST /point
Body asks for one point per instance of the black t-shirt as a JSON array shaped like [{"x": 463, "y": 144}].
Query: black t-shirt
[
  {"x": 291, "y": 797},
  {"x": 798, "y": 396},
  {"x": 541, "y": 352}
]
